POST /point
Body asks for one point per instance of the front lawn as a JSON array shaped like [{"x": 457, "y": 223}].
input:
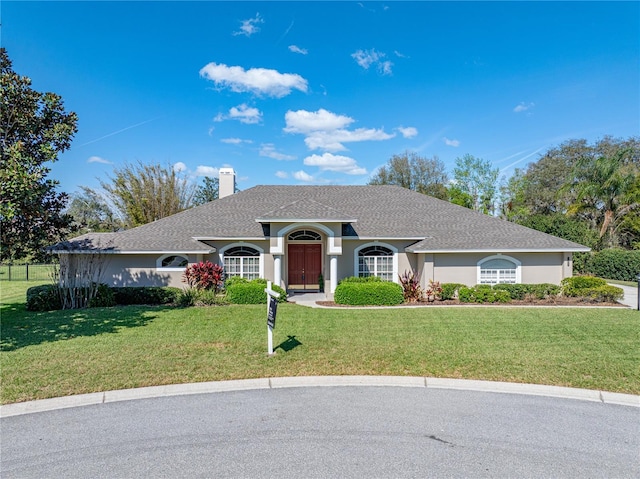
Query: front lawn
[{"x": 72, "y": 352}]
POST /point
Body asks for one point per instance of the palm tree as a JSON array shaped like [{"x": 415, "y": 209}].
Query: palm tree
[{"x": 609, "y": 188}]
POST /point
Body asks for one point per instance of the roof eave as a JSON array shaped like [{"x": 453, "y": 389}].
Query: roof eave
[
  {"x": 306, "y": 220},
  {"x": 501, "y": 250}
]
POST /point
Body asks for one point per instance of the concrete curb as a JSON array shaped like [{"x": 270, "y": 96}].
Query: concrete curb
[{"x": 43, "y": 405}]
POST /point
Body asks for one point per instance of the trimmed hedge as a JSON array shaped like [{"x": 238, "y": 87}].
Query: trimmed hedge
[
  {"x": 483, "y": 293},
  {"x": 152, "y": 295},
  {"x": 575, "y": 284},
  {"x": 251, "y": 292},
  {"x": 591, "y": 288},
  {"x": 521, "y": 291},
  {"x": 47, "y": 297},
  {"x": 368, "y": 293},
  {"x": 43, "y": 298},
  {"x": 618, "y": 264}
]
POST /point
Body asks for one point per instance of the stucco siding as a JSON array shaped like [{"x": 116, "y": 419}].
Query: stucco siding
[{"x": 463, "y": 267}]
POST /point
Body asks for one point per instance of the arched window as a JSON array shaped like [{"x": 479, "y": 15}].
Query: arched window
[
  {"x": 498, "y": 269},
  {"x": 243, "y": 261},
  {"x": 304, "y": 235},
  {"x": 376, "y": 260},
  {"x": 172, "y": 261}
]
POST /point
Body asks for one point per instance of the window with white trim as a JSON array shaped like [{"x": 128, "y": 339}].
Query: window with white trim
[
  {"x": 376, "y": 261},
  {"x": 242, "y": 261},
  {"x": 172, "y": 262},
  {"x": 496, "y": 270}
]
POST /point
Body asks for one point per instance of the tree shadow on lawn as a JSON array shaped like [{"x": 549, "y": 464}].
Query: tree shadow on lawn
[{"x": 21, "y": 328}]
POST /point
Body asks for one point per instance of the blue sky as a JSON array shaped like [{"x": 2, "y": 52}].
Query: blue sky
[{"x": 326, "y": 92}]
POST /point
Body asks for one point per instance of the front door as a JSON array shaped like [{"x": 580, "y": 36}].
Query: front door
[{"x": 305, "y": 265}]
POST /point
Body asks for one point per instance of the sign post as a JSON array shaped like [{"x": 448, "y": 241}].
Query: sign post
[{"x": 272, "y": 306}]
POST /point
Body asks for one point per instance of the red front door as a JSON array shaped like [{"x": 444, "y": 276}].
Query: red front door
[{"x": 305, "y": 265}]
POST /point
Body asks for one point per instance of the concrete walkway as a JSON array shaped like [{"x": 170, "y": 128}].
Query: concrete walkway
[{"x": 630, "y": 295}]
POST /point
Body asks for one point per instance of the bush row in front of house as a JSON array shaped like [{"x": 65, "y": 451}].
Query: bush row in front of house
[
  {"x": 588, "y": 288},
  {"x": 47, "y": 297}
]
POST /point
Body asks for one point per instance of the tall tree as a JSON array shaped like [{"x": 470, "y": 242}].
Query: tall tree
[
  {"x": 145, "y": 193},
  {"x": 414, "y": 172},
  {"x": 34, "y": 130},
  {"x": 606, "y": 186},
  {"x": 475, "y": 177},
  {"x": 207, "y": 191},
  {"x": 92, "y": 213}
]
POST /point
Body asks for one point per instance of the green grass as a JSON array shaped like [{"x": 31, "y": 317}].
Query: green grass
[{"x": 70, "y": 352}]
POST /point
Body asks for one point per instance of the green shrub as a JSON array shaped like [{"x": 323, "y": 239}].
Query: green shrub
[
  {"x": 602, "y": 294},
  {"x": 152, "y": 295},
  {"x": 200, "y": 297},
  {"x": 516, "y": 291},
  {"x": 572, "y": 286},
  {"x": 361, "y": 279},
  {"x": 449, "y": 290},
  {"x": 369, "y": 293},
  {"x": 43, "y": 298},
  {"x": 545, "y": 290},
  {"x": 104, "y": 297},
  {"x": 483, "y": 293},
  {"x": 521, "y": 291},
  {"x": 618, "y": 264},
  {"x": 252, "y": 292},
  {"x": 231, "y": 280}
]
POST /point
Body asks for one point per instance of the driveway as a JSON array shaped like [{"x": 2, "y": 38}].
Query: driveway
[{"x": 332, "y": 431}]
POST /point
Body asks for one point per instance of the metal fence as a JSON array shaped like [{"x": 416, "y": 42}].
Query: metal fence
[{"x": 28, "y": 272}]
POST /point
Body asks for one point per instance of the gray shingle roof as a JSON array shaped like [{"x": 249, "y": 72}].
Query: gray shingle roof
[{"x": 382, "y": 212}]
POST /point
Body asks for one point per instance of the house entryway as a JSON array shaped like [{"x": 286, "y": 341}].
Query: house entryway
[{"x": 305, "y": 266}]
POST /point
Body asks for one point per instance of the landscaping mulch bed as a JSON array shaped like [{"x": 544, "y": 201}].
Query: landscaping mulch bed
[{"x": 560, "y": 301}]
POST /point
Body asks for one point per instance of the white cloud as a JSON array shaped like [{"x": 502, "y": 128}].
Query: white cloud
[
  {"x": 206, "y": 171},
  {"x": 385, "y": 67},
  {"x": 179, "y": 167},
  {"x": 248, "y": 27},
  {"x": 234, "y": 141},
  {"x": 269, "y": 150},
  {"x": 297, "y": 49},
  {"x": 333, "y": 140},
  {"x": 282, "y": 174},
  {"x": 523, "y": 107},
  {"x": 97, "y": 159},
  {"x": 325, "y": 130},
  {"x": 408, "y": 132},
  {"x": 399, "y": 55},
  {"x": 302, "y": 176},
  {"x": 448, "y": 142},
  {"x": 366, "y": 58},
  {"x": 303, "y": 121},
  {"x": 245, "y": 114},
  {"x": 260, "y": 81},
  {"x": 341, "y": 164}
]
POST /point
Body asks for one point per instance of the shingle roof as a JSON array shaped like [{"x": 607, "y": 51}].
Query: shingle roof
[{"x": 382, "y": 212}]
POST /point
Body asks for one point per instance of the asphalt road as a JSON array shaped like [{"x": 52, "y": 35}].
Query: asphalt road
[{"x": 327, "y": 432}]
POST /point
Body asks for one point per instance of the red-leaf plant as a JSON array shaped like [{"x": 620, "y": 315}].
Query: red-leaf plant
[
  {"x": 204, "y": 275},
  {"x": 410, "y": 283}
]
